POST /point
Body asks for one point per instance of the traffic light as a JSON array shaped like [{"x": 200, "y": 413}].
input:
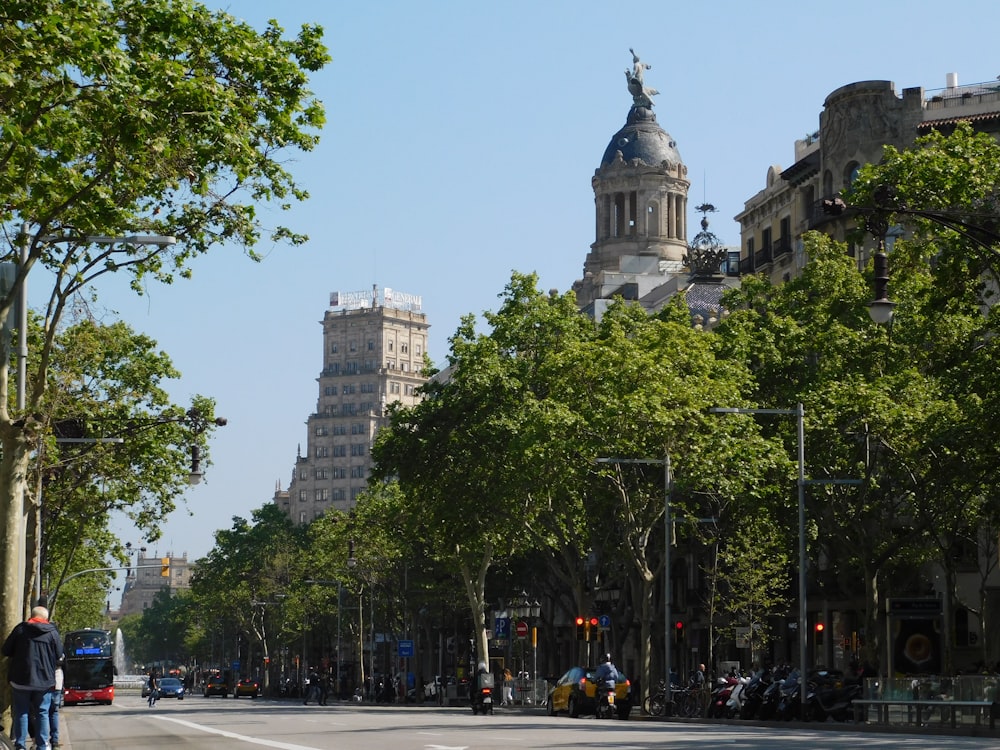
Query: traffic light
[
  {"x": 818, "y": 630},
  {"x": 678, "y": 632},
  {"x": 581, "y": 629},
  {"x": 165, "y": 567},
  {"x": 592, "y": 629}
]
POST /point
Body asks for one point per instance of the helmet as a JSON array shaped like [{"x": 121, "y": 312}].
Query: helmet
[
  {"x": 482, "y": 666},
  {"x": 607, "y": 658}
]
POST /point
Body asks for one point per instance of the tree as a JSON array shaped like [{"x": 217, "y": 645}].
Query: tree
[
  {"x": 148, "y": 116},
  {"x": 106, "y": 384},
  {"x": 251, "y": 568}
]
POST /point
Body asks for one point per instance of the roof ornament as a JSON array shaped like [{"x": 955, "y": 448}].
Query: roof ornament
[
  {"x": 706, "y": 252},
  {"x": 642, "y": 95}
]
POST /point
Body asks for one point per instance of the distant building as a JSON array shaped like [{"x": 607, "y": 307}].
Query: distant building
[
  {"x": 641, "y": 251},
  {"x": 857, "y": 122},
  {"x": 374, "y": 347},
  {"x": 144, "y": 581}
]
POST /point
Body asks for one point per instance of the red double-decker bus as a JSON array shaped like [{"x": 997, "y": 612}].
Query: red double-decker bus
[{"x": 89, "y": 672}]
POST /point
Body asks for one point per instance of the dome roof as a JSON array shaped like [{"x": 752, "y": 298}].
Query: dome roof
[{"x": 642, "y": 138}]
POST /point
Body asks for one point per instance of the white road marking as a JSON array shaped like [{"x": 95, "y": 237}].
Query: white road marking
[{"x": 235, "y": 736}]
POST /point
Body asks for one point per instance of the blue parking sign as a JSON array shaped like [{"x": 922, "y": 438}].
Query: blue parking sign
[{"x": 501, "y": 627}]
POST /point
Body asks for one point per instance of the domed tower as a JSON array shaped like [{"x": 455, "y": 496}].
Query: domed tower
[{"x": 640, "y": 200}]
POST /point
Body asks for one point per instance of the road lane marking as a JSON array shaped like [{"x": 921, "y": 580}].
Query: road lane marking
[{"x": 235, "y": 736}]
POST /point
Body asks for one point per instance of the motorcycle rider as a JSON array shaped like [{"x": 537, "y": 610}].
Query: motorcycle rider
[{"x": 607, "y": 672}]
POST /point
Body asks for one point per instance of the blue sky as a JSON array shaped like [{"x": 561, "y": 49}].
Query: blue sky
[{"x": 460, "y": 145}]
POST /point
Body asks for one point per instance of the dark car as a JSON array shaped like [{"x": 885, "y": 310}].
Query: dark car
[
  {"x": 247, "y": 686},
  {"x": 576, "y": 693},
  {"x": 216, "y": 685},
  {"x": 171, "y": 687}
]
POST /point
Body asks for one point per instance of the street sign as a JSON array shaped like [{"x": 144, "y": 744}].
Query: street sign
[
  {"x": 604, "y": 622},
  {"x": 405, "y": 649},
  {"x": 236, "y": 666},
  {"x": 501, "y": 627},
  {"x": 522, "y": 629}
]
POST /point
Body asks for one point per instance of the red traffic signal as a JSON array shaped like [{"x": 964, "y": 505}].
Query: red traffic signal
[
  {"x": 679, "y": 625},
  {"x": 820, "y": 627},
  {"x": 581, "y": 631},
  {"x": 593, "y": 622}
]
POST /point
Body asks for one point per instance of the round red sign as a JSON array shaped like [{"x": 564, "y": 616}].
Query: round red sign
[{"x": 522, "y": 630}]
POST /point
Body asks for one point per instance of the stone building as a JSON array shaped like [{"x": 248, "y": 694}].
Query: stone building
[
  {"x": 146, "y": 579},
  {"x": 641, "y": 251},
  {"x": 858, "y": 120},
  {"x": 374, "y": 349}
]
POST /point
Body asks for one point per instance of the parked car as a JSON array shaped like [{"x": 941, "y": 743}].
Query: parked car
[
  {"x": 216, "y": 685},
  {"x": 171, "y": 687},
  {"x": 576, "y": 694},
  {"x": 247, "y": 686}
]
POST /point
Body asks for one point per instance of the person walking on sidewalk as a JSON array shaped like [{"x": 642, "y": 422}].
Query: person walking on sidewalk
[{"x": 35, "y": 650}]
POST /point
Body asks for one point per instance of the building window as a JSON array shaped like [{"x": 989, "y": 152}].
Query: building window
[
  {"x": 394, "y": 387},
  {"x": 390, "y": 345},
  {"x": 391, "y": 364},
  {"x": 322, "y": 495},
  {"x": 357, "y": 472},
  {"x": 353, "y": 346},
  {"x": 303, "y": 474},
  {"x": 340, "y": 429},
  {"x": 340, "y": 450},
  {"x": 322, "y": 430},
  {"x": 371, "y": 346},
  {"x": 322, "y": 473},
  {"x": 356, "y": 492},
  {"x": 357, "y": 449},
  {"x": 352, "y": 367},
  {"x": 339, "y": 472},
  {"x": 419, "y": 350},
  {"x": 368, "y": 388},
  {"x": 348, "y": 389},
  {"x": 302, "y": 516},
  {"x": 321, "y": 451},
  {"x": 334, "y": 348},
  {"x": 302, "y": 496},
  {"x": 339, "y": 495},
  {"x": 357, "y": 428},
  {"x": 409, "y": 390},
  {"x": 404, "y": 348},
  {"x": 330, "y": 390}
]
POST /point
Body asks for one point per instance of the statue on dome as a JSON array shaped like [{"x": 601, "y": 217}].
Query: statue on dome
[{"x": 642, "y": 95}]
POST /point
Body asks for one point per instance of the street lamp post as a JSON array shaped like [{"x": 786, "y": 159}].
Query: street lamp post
[{"x": 352, "y": 563}]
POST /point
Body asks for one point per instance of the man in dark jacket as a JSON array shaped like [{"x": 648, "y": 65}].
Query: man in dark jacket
[{"x": 35, "y": 650}]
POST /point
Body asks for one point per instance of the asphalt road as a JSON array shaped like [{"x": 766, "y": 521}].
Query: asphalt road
[{"x": 199, "y": 723}]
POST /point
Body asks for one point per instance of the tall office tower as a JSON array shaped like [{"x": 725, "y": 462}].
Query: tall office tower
[{"x": 374, "y": 345}]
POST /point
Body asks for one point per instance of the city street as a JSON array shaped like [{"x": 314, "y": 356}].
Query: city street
[{"x": 198, "y": 723}]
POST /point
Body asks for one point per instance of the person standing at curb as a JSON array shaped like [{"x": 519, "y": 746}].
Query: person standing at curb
[{"x": 35, "y": 651}]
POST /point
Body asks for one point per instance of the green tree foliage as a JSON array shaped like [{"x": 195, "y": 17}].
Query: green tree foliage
[
  {"x": 106, "y": 384},
  {"x": 249, "y": 572},
  {"x": 148, "y": 116}
]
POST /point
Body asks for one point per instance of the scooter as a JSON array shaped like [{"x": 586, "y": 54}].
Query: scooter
[
  {"x": 830, "y": 695},
  {"x": 737, "y": 697},
  {"x": 605, "y": 700},
  {"x": 481, "y": 695},
  {"x": 720, "y": 697}
]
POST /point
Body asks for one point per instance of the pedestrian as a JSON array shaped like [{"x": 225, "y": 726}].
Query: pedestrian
[
  {"x": 35, "y": 650},
  {"x": 154, "y": 688},
  {"x": 508, "y": 688},
  {"x": 57, "y": 698}
]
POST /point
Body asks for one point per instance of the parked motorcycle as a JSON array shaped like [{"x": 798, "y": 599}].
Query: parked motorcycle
[
  {"x": 753, "y": 693},
  {"x": 771, "y": 697},
  {"x": 829, "y": 694},
  {"x": 720, "y": 697},
  {"x": 790, "y": 698},
  {"x": 737, "y": 696},
  {"x": 605, "y": 692}
]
